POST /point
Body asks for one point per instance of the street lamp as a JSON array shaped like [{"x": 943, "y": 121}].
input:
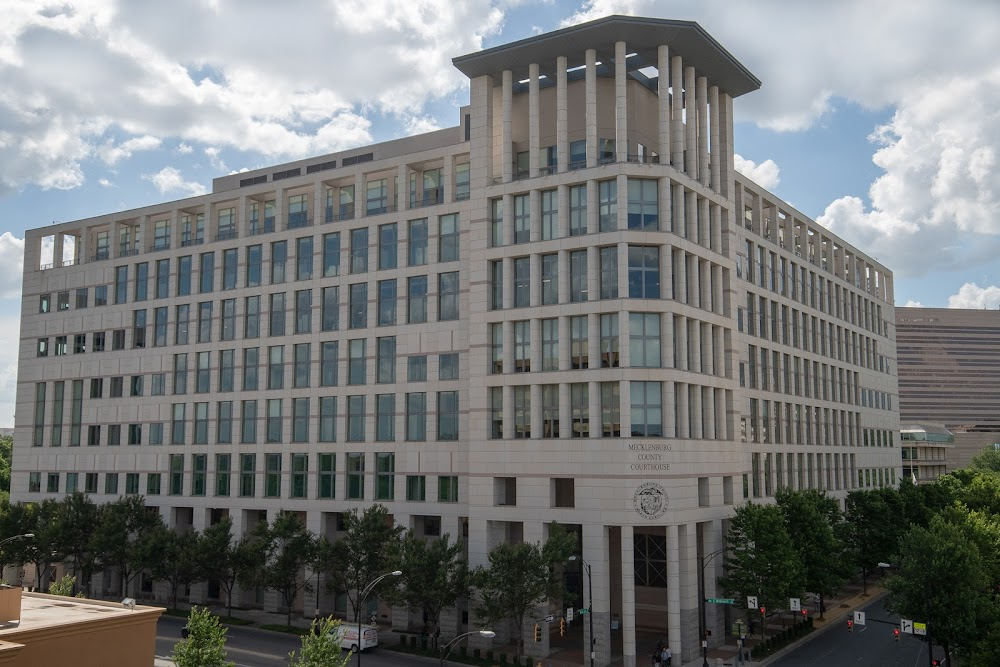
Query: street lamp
[
  {"x": 590, "y": 609},
  {"x": 705, "y": 560},
  {"x": 362, "y": 596},
  {"x": 16, "y": 537},
  {"x": 488, "y": 634},
  {"x": 927, "y": 612}
]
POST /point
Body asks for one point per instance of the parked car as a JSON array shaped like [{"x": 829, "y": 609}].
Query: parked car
[{"x": 347, "y": 635}]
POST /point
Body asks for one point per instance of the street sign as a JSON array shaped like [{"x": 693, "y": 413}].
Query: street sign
[
  {"x": 906, "y": 625},
  {"x": 794, "y": 604},
  {"x": 721, "y": 600},
  {"x": 581, "y": 612},
  {"x": 739, "y": 627},
  {"x": 550, "y": 618},
  {"x": 569, "y": 614},
  {"x": 751, "y": 602},
  {"x": 859, "y": 618},
  {"x": 920, "y": 628}
]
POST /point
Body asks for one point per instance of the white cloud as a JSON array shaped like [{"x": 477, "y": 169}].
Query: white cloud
[
  {"x": 971, "y": 295},
  {"x": 913, "y": 304},
  {"x": 169, "y": 179},
  {"x": 12, "y": 259},
  {"x": 180, "y": 71},
  {"x": 766, "y": 174},
  {"x": 183, "y": 149},
  {"x": 105, "y": 183},
  {"x": 111, "y": 153},
  {"x": 213, "y": 153}
]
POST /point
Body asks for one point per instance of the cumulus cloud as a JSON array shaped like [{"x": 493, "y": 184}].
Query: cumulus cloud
[
  {"x": 181, "y": 71},
  {"x": 183, "y": 149},
  {"x": 12, "y": 259},
  {"x": 169, "y": 179},
  {"x": 214, "y": 157},
  {"x": 971, "y": 295},
  {"x": 105, "y": 183},
  {"x": 913, "y": 304},
  {"x": 766, "y": 174}
]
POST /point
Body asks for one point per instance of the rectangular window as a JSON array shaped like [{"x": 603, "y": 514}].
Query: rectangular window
[
  {"x": 550, "y": 214},
  {"x": 579, "y": 398},
  {"x": 550, "y": 344},
  {"x": 416, "y": 488},
  {"x": 496, "y": 223},
  {"x": 276, "y": 315},
  {"x": 248, "y": 475},
  {"x": 131, "y": 483},
  {"x": 359, "y": 250},
  {"x": 274, "y": 419},
  {"x": 251, "y": 360},
  {"x": 385, "y": 468},
  {"x": 447, "y": 408},
  {"x": 355, "y": 418},
  {"x": 416, "y": 368},
  {"x": 177, "y": 424},
  {"x": 496, "y": 412},
  {"x": 83, "y": 294},
  {"x": 223, "y": 463},
  {"x": 522, "y": 219},
  {"x": 153, "y": 484},
  {"x": 644, "y": 340},
  {"x": 376, "y": 196},
  {"x": 205, "y": 322},
  {"x": 248, "y": 422},
  {"x": 184, "y": 271},
  {"x": 303, "y": 311},
  {"x": 416, "y": 299},
  {"x": 203, "y": 369},
  {"x": 496, "y": 285},
  {"x": 304, "y": 258},
  {"x": 416, "y": 244},
  {"x": 300, "y": 420},
  {"x": 522, "y": 346},
  {"x": 206, "y": 273},
  {"x": 356, "y": 361},
  {"x": 101, "y": 295},
  {"x": 182, "y": 319},
  {"x": 180, "y": 374},
  {"x": 327, "y": 476},
  {"x": 176, "y": 487},
  {"x": 121, "y": 284},
  {"x": 448, "y": 296},
  {"x": 609, "y": 340},
  {"x": 302, "y": 353},
  {"x": 647, "y": 409},
  {"x": 416, "y": 417},
  {"x": 276, "y": 367},
  {"x": 550, "y": 279},
  {"x": 359, "y": 305},
  {"x": 448, "y": 489},
  {"x": 328, "y": 364},
  {"x": 386, "y": 302},
  {"x": 79, "y": 343},
  {"x": 550, "y": 411},
  {"x": 328, "y": 419},
  {"x": 298, "y": 211},
  {"x": 462, "y": 187},
  {"x": 230, "y": 268},
  {"x": 110, "y": 483},
  {"x": 224, "y": 422},
  {"x": 254, "y": 270},
  {"x": 609, "y": 272},
  {"x": 272, "y": 475},
  {"x": 331, "y": 254},
  {"x": 331, "y": 309},
  {"x": 448, "y": 366},
  {"x": 577, "y": 210},
  {"x": 355, "y": 476},
  {"x": 199, "y": 474},
  {"x": 610, "y": 410},
  {"x": 643, "y": 272},
  {"x": 578, "y": 276},
  {"x": 162, "y": 289},
  {"x": 251, "y": 322},
  {"x": 579, "y": 342},
  {"x": 387, "y": 246},
  {"x": 138, "y": 329},
  {"x": 522, "y": 282},
  {"x": 300, "y": 476},
  {"x": 448, "y": 238},
  {"x": 140, "y": 289},
  {"x": 385, "y": 417},
  {"x": 160, "y": 327},
  {"x": 279, "y": 259},
  {"x": 643, "y": 204},
  {"x": 522, "y": 411},
  {"x": 117, "y": 342},
  {"x": 607, "y": 205},
  {"x": 385, "y": 362}
]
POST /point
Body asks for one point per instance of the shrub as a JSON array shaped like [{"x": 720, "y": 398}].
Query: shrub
[{"x": 205, "y": 645}]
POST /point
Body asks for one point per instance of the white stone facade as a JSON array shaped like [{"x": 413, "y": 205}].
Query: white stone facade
[{"x": 597, "y": 295}]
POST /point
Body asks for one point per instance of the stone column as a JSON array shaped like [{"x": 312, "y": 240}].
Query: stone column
[
  {"x": 562, "y": 116},
  {"x": 591, "y": 107},
  {"x": 688, "y": 552},
  {"x": 675, "y": 593},
  {"x": 677, "y": 123},
  {"x": 507, "y": 148},
  {"x": 715, "y": 155},
  {"x": 690, "y": 124},
  {"x": 704, "y": 173},
  {"x": 533, "y": 120},
  {"x": 628, "y": 596},
  {"x": 621, "y": 103},
  {"x": 663, "y": 95},
  {"x": 595, "y": 553}
]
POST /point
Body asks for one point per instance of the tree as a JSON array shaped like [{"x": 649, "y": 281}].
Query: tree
[
  {"x": 180, "y": 562},
  {"x": 320, "y": 648},
  {"x": 987, "y": 460},
  {"x": 122, "y": 539},
  {"x": 941, "y": 580},
  {"x": 871, "y": 531},
  {"x": 288, "y": 548},
  {"x": 434, "y": 577},
  {"x": 368, "y": 549},
  {"x": 64, "y": 586},
  {"x": 761, "y": 559},
  {"x": 205, "y": 645},
  {"x": 45, "y": 547},
  {"x": 6, "y": 449},
  {"x": 810, "y": 516},
  {"x": 521, "y": 576},
  {"x": 226, "y": 561},
  {"x": 77, "y": 520}
]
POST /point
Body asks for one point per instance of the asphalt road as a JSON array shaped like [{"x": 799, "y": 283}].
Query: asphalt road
[
  {"x": 252, "y": 647},
  {"x": 871, "y": 645}
]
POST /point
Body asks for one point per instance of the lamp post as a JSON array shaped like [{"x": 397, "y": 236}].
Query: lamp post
[
  {"x": 488, "y": 634},
  {"x": 16, "y": 537},
  {"x": 590, "y": 608},
  {"x": 703, "y": 621},
  {"x": 930, "y": 643},
  {"x": 362, "y": 596}
]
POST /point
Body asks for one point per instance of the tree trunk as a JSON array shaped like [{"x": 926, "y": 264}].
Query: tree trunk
[{"x": 822, "y": 605}]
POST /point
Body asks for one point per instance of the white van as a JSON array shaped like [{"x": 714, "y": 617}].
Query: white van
[{"x": 348, "y": 637}]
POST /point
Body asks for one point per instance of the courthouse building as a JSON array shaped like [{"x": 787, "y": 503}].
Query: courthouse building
[{"x": 568, "y": 307}]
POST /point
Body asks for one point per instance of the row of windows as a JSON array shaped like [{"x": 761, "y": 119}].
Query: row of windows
[
  {"x": 771, "y": 472},
  {"x": 791, "y": 423},
  {"x": 770, "y": 320},
  {"x": 794, "y": 376},
  {"x": 309, "y": 420},
  {"x": 770, "y": 271},
  {"x": 292, "y": 482},
  {"x": 302, "y": 266}
]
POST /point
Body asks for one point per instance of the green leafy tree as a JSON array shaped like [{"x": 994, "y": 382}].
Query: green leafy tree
[
  {"x": 6, "y": 448},
  {"x": 226, "y": 561},
  {"x": 988, "y": 460},
  {"x": 941, "y": 580},
  {"x": 435, "y": 577},
  {"x": 64, "y": 586},
  {"x": 521, "y": 576},
  {"x": 871, "y": 533},
  {"x": 77, "y": 521},
  {"x": 205, "y": 645},
  {"x": 123, "y": 540},
  {"x": 368, "y": 549},
  {"x": 811, "y": 516},
  {"x": 288, "y": 548},
  {"x": 762, "y": 560},
  {"x": 45, "y": 547},
  {"x": 320, "y": 648},
  {"x": 180, "y": 561}
]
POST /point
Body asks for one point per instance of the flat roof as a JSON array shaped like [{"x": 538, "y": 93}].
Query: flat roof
[
  {"x": 641, "y": 36},
  {"x": 41, "y": 610}
]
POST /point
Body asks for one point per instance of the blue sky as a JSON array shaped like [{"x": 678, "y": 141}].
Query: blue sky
[{"x": 883, "y": 125}]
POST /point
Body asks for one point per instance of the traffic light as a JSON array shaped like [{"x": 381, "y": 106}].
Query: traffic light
[
  {"x": 538, "y": 632},
  {"x": 805, "y": 612},
  {"x": 763, "y": 611},
  {"x": 936, "y": 662},
  {"x": 850, "y": 626},
  {"x": 562, "y": 627},
  {"x": 895, "y": 633}
]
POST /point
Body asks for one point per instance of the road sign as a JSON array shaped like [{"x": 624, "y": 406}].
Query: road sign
[
  {"x": 569, "y": 614},
  {"x": 859, "y": 618},
  {"x": 721, "y": 600},
  {"x": 751, "y": 602},
  {"x": 794, "y": 604},
  {"x": 739, "y": 627},
  {"x": 550, "y": 618},
  {"x": 920, "y": 628},
  {"x": 581, "y": 612},
  {"x": 906, "y": 625}
]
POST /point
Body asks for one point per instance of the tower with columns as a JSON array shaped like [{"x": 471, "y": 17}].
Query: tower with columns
[{"x": 568, "y": 308}]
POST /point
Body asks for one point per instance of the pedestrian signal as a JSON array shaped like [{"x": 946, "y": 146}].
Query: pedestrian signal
[
  {"x": 895, "y": 633},
  {"x": 850, "y": 626},
  {"x": 538, "y": 633},
  {"x": 562, "y": 627}
]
